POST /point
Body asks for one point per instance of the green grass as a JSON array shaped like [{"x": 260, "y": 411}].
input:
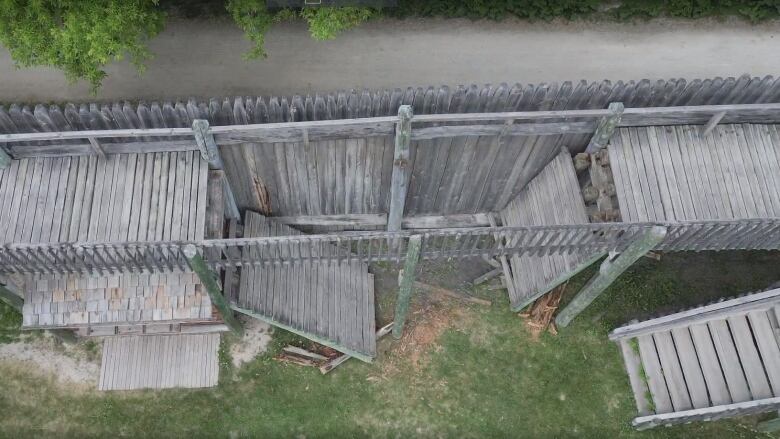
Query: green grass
[{"x": 484, "y": 378}]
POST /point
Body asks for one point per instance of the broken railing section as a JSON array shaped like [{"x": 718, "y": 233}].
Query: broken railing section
[
  {"x": 210, "y": 152},
  {"x": 405, "y": 284},
  {"x": 609, "y": 271},
  {"x": 368, "y": 247}
]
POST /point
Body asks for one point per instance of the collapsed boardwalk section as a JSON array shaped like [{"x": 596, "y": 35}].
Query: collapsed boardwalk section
[{"x": 715, "y": 361}]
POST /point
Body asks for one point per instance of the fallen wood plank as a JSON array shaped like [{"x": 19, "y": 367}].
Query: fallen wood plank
[
  {"x": 303, "y": 353},
  {"x": 335, "y": 362},
  {"x": 487, "y": 276}
]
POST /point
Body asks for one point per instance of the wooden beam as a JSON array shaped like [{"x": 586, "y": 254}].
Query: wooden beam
[
  {"x": 96, "y": 147},
  {"x": 231, "y": 208},
  {"x": 405, "y": 285},
  {"x": 5, "y": 159},
  {"x": 372, "y": 220},
  {"x": 609, "y": 271},
  {"x": 712, "y": 123},
  {"x": 11, "y": 299},
  {"x": 518, "y": 129},
  {"x": 401, "y": 168},
  {"x": 606, "y": 128},
  {"x": 215, "y": 203},
  {"x": 205, "y": 140},
  {"x": 312, "y": 337},
  {"x": 209, "y": 280}
]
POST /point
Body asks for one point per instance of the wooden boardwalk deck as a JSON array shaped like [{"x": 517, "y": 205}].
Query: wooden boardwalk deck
[
  {"x": 711, "y": 362},
  {"x": 672, "y": 173},
  {"x": 159, "y": 362},
  {"x": 552, "y": 197},
  {"x": 332, "y": 303},
  {"x": 117, "y": 198},
  {"x": 122, "y": 197}
]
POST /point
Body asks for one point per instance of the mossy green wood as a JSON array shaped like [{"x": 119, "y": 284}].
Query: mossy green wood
[
  {"x": 399, "y": 183},
  {"x": 5, "y": 159},
  {"x": 312, "y": 337},
  {"x": 405, "y": 285},
  {"x": 11, "y": 299},
  {"x": 209, "y": 280},
  {"x": 606, "y": 128},
  {"x": 609, "y": 271}
]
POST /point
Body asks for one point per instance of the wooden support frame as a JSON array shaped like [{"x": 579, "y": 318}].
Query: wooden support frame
[
  {"x": 609, "y": 271},
  {"x": 405, "y": 285},
  {"x": 373, "y": 220},
  {"x": 209, "y": 280},
  {"x": 401, "y": 168},
  {"x": 96, "y": 147},
  {"x": 606, "y": 128}
]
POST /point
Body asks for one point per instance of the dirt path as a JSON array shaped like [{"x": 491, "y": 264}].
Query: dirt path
[{"x": 205, "y": 58}]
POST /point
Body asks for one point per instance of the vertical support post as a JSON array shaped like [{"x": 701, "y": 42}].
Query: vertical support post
[
  {"x": 605, "y": 128},
  {"x": 405, "y": 285},
  {"x": 609, "y": 271},
  {"x": 5, "y": 159},
  {"x": 401, "y": 168},
  {"x": 209, "y": 280},
  {"x": 210, "y": 152}
]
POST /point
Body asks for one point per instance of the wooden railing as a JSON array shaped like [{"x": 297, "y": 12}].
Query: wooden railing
[{"x": 367, "y": 247}]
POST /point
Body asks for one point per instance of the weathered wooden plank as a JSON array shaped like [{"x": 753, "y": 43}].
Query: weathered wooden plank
[
  {"x": 691, "y": 369},
  {"x": 749, "y": 357},
  {"x": 766, "y": 339},
  {"x": 656, "y": 382},
  {"x": 729, "y": 361},
  {"x": 672, "y": 370},
  {"x": 710, "y": 365},
  {"x": 638, "y": 385},
  {"x": 401, "y": 169}
]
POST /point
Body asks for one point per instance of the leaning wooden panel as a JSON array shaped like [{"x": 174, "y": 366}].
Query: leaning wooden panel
[
  {"x": 552, "y": 197},
  {"x": 330, "y": 302},
  {"x": 724, "y": 356}
]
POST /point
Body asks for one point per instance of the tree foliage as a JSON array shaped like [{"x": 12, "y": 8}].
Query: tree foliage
[
  {"x": 78, "y": 36},
  {"x": 325, "y": 23}
]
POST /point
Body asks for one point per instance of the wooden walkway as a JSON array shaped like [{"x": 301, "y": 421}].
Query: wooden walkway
[
  {"x": 331, "y": 303},
  {"x": 159, "y": 362},
  {"x": 122, "y": 197},
  {"x": 117, "y": 198},
  {"x": 668, "y": 173},
  {"x": 551, "y": 198},
  {"x": 706, "y": 363}
]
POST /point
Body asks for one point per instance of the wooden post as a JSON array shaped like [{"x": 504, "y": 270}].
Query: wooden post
[
  {"x": 9, "y": 298},
  {"x": 605, "y": 128},
  {"x": 712, "y": 123},
  {"x": 609, "y": 271},
  {"x": 209, "y": 280},
  {"x": 401, "y": 168},
  {"x": 405, "y": 285},
  {"x": 5, "y": 159},
  {"x": 210, "y": 152}
]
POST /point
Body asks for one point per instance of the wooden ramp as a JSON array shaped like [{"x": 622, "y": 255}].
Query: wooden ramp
[
  {"x": 159, "y": 362},
  {"x": 328, "y": 302},
  {"x": 716, "y": 361},
  {"x": 667, "y": 173},
  {"x": 551, "y": 198}
]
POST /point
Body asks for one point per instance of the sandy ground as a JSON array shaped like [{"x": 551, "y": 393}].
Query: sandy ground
[
  {"x": 255, "y": 341},
  {"x": 68, "y": 363},
  {"x": 197, "y": 58}
]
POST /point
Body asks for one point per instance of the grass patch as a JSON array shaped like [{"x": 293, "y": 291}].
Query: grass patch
[{"x": 484, "y": 377}]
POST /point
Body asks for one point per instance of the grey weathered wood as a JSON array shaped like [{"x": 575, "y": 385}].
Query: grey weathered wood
[
  {"x": 732, "y": 370},
  {"x": 767, "y": 342},
  {"x": 689, "y": 361},
  {"x": 403, "y": 301},
  {"x": 606, "y": 127},
  {"x": 369, "y": 221},
  {"x": 638, "y": 384},
  {"x": 670, "y": 363},
  {"x": 401, "y": 169},
  {"x": 656, "y": 382},
  {"x": 5, "y": 159},
  {"x": 749, "y": 358},
  {"x": 712, "y": 123},
  {"x": 740, "y": 305},
  {"x": 205, "y": 140},
  {"x": 708, "y": 413},
  {"x": 609, "y": 271}
]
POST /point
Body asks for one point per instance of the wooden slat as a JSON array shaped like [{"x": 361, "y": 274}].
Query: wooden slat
[
  {"x": 729, "y": 361},
  {"x": 638, "y": 385},
  {"x": 655, "y": 378},
  {"x": 710, "y": 365},
  {"x": 768, "y": 347},
  {"x": 670, "y": 363},
  {"x": 694, "y": 378},
  {"x": 749, "y": 357}
]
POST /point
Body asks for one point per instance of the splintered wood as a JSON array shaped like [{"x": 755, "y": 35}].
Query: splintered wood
[{"x": 539, "y": 316}]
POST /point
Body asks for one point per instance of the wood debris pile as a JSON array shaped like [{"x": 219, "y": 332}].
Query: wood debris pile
[{"x": 539, "y": 316}]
